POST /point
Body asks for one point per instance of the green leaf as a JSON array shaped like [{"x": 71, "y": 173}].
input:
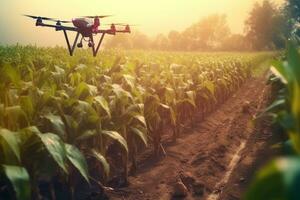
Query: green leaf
[
  {"x": 87, "y": 134},
  {"x": 169, "y": 94},
  {"x": 280, "y": 180},
  {"x": 120, "y": 92},
  {"x": 140, "y": 118},
  {"x": 84, "y": 111},
  {"x": 129, "y": 80},
  {"x": 2, "y": 115},
  {"x": 81, "y": 67},
  {"x": 186, "y": 101},
  {"x": 277, "y": 104},
  {"x": 116, "y": 136},
  {"x": 19, "y": 179},
  {"x": 92, "y": 89},
  {"x": 57, "y": 125},
  {"x": 9, "y": 74},
  {"x": 15, "y": 116},
  {"x": 191, "y": 96},
  {"x": 59, "y": 71},
  {"x": 84, "y": 90},
  {"x": 293, "y": 58},
  {"x": 102, "y": 160},
  {"x": 103, "y": 103},
  {"x": 210, "y": 86},
  {"x": 78, "y": 160},
  {"x": 140, "y": 134},
  {"x": 11, "y": 140},
  {"x": 280, "y": 71},
  {"x": 35, "y": 153},
  {"x": 27, "y": 105},
  {"x": 55, "y": 147},
  {"x": 288, "y": 148},
  {"x": 295, "y": 104}
]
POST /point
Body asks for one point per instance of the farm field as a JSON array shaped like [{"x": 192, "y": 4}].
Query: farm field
[
  {"x": 131, "y": 124},
  {"x": 150, "y": 100},
  {"x": 208, "y": 156}
]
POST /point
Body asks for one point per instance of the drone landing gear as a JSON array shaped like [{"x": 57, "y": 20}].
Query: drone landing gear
[
  {"x": 71, "y": 49},
  {"x": 92, "y": 44},
  {"x": 79, "y": 45}
]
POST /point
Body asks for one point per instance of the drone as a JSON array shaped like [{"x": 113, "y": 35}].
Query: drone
[{"x": 83, "y": 26}]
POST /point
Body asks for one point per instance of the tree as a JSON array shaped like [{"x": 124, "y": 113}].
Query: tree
[
  {"x": 292, "y": 9},
  {"x": 140, "y": 40},
  {"x": 175, "y": 41},
  {"x": 235, "y": 42},
  {"x": 119, "y": 41},
  {"x": 136, "y": 40},
  {"x": 266, "y": 27},
  {"x": 208, "y": 33},
  {"x": 160, "y": 42}
]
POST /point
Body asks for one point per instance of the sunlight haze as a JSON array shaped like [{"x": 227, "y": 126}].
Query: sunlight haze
[{"x": 153, "y": 17}]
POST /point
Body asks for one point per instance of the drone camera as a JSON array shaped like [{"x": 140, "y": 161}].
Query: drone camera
[
  {"x": 90, "y": 44},
  {"x": 79, "y": 45}
]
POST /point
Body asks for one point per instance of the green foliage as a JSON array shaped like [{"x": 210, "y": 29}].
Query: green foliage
[
  {"x": 292, "y": 10},
  {"x": 266, "y": 26},
  {"x": 55, "y": 147},
  {"x": 9, "y": 143},
  {"x": 19, "y": 179},
  {"x": 62, "y": 114},
  {"x": 102, "y": 160},
  {"x": 116, "y": 136},
  {"x": 280, "y": 179},
  {"x": 77, "y": 159}
]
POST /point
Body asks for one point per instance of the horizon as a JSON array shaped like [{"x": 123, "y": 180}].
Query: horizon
[{"x": 166, "y": 18}]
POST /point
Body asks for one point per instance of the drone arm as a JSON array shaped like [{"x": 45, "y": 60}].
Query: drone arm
[
  {"x": 107, "y": 31},
  {"x": 58, "y": 27},
  {"x": 112, "y": 32},
  {"x": 122, "y": 31}
]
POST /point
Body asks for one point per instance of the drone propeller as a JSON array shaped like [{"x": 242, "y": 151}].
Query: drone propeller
[
  {"x": 38, "y": 17},
  {"x": 47, "y": 18},
  {"x": 99, "y": 16}
]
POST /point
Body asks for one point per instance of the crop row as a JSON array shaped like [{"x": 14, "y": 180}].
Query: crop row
[{"x": 65, "y": 120}]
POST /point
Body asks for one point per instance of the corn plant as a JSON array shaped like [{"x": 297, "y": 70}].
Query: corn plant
[
  {"x": 62, "y": 117},
  {"x": 280, "y": 178}
]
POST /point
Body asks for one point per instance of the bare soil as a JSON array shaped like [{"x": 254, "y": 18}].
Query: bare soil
[{"x": 215, "y": 159}]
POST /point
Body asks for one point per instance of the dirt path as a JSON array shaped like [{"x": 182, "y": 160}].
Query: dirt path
[{"x": 205, "y": 157}]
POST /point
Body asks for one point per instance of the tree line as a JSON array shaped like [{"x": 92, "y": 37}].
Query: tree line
[{"x": 266, "y": 28}]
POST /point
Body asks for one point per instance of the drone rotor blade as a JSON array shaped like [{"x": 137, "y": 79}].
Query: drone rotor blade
[
  {"x": 99, "y": 16},
  {"x": 31, "y": 16},
  {"x": 39, "y": 17},
  {"x": 47, "y": 18}
]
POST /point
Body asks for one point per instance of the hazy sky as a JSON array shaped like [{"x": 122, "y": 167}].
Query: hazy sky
[{"x": 153, "y": 16}]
